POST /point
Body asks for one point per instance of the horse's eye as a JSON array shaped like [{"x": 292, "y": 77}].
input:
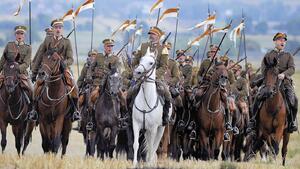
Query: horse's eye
[{"x": 151, "y": 63}]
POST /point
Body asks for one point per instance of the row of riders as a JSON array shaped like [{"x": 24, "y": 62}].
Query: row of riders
[{"x": 219, "y": 103}]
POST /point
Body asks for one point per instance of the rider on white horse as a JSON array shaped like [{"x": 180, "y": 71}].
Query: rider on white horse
[{"x": 162, "y": 56}]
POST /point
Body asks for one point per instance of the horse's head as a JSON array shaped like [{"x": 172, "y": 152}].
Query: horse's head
[
  {"x": 271, "y": 75},
  {"x": 146, "y": 66},
  {"x": 50, "y": 67},
  {"x": 114, "y": 82},
  {"x": 11, "y": 73},
  {"x": 220, "y": 76}
]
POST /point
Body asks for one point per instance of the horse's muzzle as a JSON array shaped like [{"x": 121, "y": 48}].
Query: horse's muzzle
[{"x": 223, "y": 81}]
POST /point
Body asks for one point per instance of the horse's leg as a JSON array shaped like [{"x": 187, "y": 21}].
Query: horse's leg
[
  {"x": 136, "y": 135},
  {"x": 57, "y": 133},
  {"x": 130, "y": 139},
  {"x": 67, "y": 127},
  {"x": 18, "y": 133},
  {"x": 112, "y": 144},
  {"x": 286, "y": 138},
  {"x": 92, "y": 143},
  {"x": 3, "y": 126},
  {"x": 218, "y": 141},
  {"x": 165, "y": 142},
  {"x": 101, "y": 142},
  {"x": 203, "y": 141},
  {"x": 150, "y": 136},
  {"x": 28, "y": 133}
]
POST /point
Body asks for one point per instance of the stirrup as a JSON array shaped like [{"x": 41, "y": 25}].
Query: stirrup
[
  {"x": 226, "y": 137},
  {"x": 192, "y": 135},
  {"x": 235, "y": 131},
  {"x": 32, "y": 115},
  {"x": 89, "y": 126},
  {"x": 76, "y": 116}
]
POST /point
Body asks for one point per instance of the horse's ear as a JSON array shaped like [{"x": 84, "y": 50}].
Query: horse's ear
[
  {"x": 265, "y": 61},
  {"x": 148, "y": 51}
]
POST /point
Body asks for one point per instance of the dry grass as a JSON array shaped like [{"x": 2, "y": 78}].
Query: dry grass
[{"x": 75, "y": 159}]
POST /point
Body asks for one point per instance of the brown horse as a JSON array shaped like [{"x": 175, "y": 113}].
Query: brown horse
[
  {"x": 107, "y": 113},
  {"x": 210, "y": 115},
  {"x": 13, "y": 106},
  {"x": 272, "y": 125},
  {"x": 53, "y": 106}
]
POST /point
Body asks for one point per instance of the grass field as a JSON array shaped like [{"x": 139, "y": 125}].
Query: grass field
[{"x": 75, "y": 159}]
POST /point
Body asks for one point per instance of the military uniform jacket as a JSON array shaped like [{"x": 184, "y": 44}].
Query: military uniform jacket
[
  {"x": 161, "y": 58},
  {"x": 88, "y": 71},
  {"x": 20, "y": 53},
  {"x": 231, "y": 77},
  {"x": 240, "y": 88},
  {"x": 172, "y": 76},
  {"x": 104, "y": 64},
  {"x": 203, "y": 67},
  {"x": 62, "y": 46},
  {"x": 285, "y": 64},
  {"x": 187, "y": 72}
]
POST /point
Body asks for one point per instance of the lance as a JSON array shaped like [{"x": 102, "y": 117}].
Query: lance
[
  {"x": 215, "y": 54},
  {"x": 29, "y": 13},
  {"x": 70, "y": 33},
  {"x": 93, "y": 16},
  {"x": 175, "y": 38},
  {"x": 236, "y": 63},
  {"x": 75, "y": 39},
  {"x": 158, "y": 15}
]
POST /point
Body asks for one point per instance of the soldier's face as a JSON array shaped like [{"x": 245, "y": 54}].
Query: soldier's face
[
  {"x": 20, "y": 36},
  {"x": 108, "y": 49},
  {"x": 153, "y": 38},
  {"x": 58, "y": 30},
  {"x": 280, "y": 43},
  {"x": 93, "y": 58}
]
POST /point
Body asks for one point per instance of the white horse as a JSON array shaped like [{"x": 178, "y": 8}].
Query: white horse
[{"x": 147, "y": 109}]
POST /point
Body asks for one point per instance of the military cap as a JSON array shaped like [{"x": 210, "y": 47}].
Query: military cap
[
  {"x": 249, "y": 65},
  {"x": 155, "y": 30},
  {"x": 20, "y": 28},
  {"x": 279, "y": 35},
  {"x": 108, "y": 41},
  {"x": 93, "y": 51},
  {"x": 49, "y": 30},
  {"x": 214, "y": 47},
  {"x": 56, "y": 22},
  {"x": 224, "y": 58},
  {"x": 179, "y": 53},
  {"x": 189, "y": 58}
]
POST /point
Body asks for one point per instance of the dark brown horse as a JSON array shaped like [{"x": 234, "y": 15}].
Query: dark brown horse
[
  {"x": 53, "y": 106},
  {"x": 210, "y": 115},
  {"x": 272, "y": 125},
  {"x": 87, "y": 123},
  {"x": 13, "y": 106},
  {"x": 107, "y": 112}
]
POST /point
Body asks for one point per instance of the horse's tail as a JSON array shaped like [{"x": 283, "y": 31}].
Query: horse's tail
[{"x": 106, "y": 132}]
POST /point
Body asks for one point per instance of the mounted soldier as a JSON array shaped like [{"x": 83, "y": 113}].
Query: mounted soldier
[
  {"x": 105, "y": 62},
  {"x": 204, "y": 76},
  {"x": 19, "y": 52},
  {"x": 286, "y": 67},
  {"x": 58, "y": 47},
  {"x": 162, "y": 56}
]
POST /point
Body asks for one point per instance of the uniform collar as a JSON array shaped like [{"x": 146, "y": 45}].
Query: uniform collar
[
  {"x": 277, "y": 50},
  {"x": 59, "y": 38},
  {"x": 19, "y": 43},
  {"x": 107, "y": 55}
]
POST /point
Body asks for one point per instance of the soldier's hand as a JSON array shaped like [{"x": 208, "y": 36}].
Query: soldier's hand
[
  {"x": 62, "y": 66},
  {"x": 281, "y": 76}
]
